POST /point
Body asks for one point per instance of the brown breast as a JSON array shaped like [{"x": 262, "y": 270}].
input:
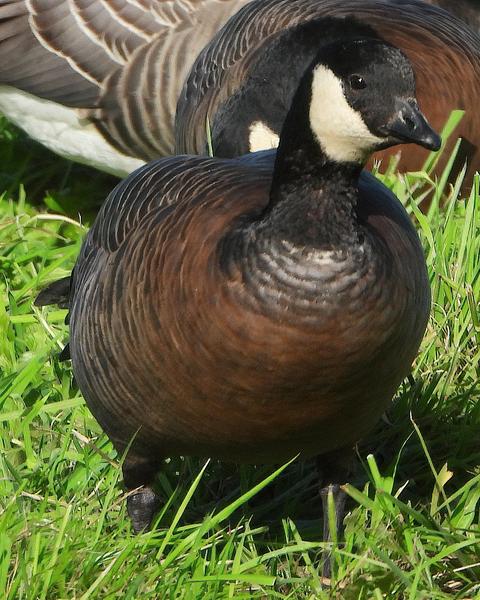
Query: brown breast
[{"x": 190, "y": 355}]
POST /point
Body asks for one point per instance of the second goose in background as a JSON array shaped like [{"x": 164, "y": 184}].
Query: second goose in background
[
  {"x": 256, "y": 308},
  {"x": 243, "y": 82}
]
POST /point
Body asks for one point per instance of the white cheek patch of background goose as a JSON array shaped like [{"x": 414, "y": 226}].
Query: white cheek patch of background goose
[{"x": 261, "y": 137}]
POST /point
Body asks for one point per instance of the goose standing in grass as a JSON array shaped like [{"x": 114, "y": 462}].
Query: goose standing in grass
[
  {"x": 255, "y": 308},
  {"x": 243, "y": 82},
  {"x": 99, "y": 82}
]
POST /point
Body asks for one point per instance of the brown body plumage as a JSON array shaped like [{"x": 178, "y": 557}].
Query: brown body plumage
[
  {"x": 215, "y": 352},
  {"x": 467, "y": 10}
]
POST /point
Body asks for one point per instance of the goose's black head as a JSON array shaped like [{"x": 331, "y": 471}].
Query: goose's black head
[{"x": 357, "y": 97}]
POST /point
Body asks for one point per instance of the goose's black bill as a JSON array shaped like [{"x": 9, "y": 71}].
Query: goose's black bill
[{"x": 410, "y": 125}]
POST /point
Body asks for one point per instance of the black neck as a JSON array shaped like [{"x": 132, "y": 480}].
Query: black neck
[
  {"x": 313, "y": 199},
  {"x": 300, "y": 160}
]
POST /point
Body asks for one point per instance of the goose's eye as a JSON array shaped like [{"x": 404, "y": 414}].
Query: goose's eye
[{"x": 357, "y": 82}]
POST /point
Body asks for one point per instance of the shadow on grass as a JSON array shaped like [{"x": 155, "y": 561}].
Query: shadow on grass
[{"x": 64, "y": 186}]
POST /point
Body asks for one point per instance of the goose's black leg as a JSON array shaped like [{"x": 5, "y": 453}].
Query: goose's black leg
[
  {"x": 334, "y": 472},
  {"x": 142, "y": 504}
]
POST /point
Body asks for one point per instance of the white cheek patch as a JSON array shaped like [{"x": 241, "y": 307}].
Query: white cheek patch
[
  {"x": 261, "y": 137},
  {"x": 340, "y": 130}
]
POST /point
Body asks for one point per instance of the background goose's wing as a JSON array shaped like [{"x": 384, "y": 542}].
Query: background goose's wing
[
  {"x": 123, "y": 60},
  {"x": 63, "y": 51},
  {"x": 26, "y": 64},
  {"x": 138, "y": 102}
]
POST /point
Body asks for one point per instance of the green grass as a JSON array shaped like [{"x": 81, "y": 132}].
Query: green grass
[{"x": 413, "y": 523}]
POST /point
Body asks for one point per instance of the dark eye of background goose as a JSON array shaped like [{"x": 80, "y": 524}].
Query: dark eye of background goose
[{"x": 357, "y": 82}]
